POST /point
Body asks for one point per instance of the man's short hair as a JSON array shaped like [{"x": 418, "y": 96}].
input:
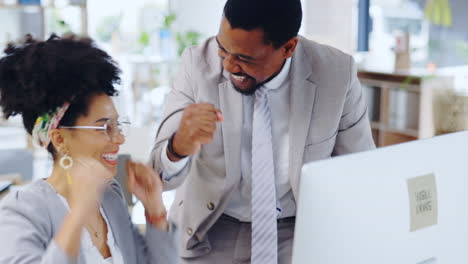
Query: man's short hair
[{"x": 280, "y": 20}]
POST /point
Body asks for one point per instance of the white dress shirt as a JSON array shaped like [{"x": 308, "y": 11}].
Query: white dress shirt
[
  {"x": 90, "y": 252},
  {"x": 239, "y": 205}
]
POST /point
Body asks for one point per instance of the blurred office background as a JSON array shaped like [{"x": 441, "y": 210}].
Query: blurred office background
[{"x": 412, "y": 57}]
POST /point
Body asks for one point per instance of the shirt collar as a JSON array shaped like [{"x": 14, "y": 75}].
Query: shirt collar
[{"x": 279, "y": 79}]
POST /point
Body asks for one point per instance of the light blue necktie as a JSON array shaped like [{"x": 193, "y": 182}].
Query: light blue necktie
[{"x": 264, "y": 229}]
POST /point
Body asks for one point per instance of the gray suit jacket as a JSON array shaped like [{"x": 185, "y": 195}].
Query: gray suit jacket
[
  {"x": 32, "y": 216},
  {"x": 328, "y": 117}
]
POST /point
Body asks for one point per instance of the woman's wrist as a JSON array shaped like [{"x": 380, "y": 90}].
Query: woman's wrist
[
  {"x": 155, "y": 212},
  {"x": 69, "y": 235},
  {"x": 158, "y": 220},
  {"x": 79, "y": 213},
  {"x": 82, "y": 211}
]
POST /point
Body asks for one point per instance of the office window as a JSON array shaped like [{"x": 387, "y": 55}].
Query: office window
[{"x": 442, "y": 46}]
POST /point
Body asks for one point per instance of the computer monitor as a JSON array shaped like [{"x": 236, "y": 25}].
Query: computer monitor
[{"x": 403, "y": 204}]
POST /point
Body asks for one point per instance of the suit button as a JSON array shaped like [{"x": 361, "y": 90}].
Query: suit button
[
  {"x": 189, "y": 231},
  {"x": 210, "y": 206}
]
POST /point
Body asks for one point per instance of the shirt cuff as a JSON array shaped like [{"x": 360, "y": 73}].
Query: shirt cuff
[{"x": 169, "y": 167}]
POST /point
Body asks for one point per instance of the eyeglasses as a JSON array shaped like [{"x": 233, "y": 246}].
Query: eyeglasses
[{"x": 111, "y": 128}]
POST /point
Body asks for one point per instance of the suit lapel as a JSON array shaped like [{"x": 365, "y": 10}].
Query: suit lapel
[
  {"x": 231, "y": 127},
  {"x": 111, "y": 205},
  {"x": 303, "y": 90}
]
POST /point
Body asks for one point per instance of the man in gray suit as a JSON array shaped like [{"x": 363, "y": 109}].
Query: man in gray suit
[{"x": 248, "y": 109}]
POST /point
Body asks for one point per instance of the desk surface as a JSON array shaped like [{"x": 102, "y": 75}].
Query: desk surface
[
  {"x": 14, "y": 178},
  {"x": 3, "y": 194}
]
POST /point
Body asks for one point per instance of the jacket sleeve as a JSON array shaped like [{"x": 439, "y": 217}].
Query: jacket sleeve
[
  {"x": 158, "y": 246},
  {"x": 354, "y": 132},
  {"x": 26, "y": 235},
  {"x": 180, "y": 96}
]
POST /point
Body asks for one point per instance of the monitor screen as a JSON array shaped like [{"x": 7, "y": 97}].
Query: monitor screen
[{"x": 401, "y": 204}]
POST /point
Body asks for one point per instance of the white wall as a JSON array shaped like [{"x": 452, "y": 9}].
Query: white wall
[
  {"x": 203, "y": 16},
  {"x": 9, "y": 29},
  {"x": 331, "y": 22},
  {"x": 130, "y": 11}
]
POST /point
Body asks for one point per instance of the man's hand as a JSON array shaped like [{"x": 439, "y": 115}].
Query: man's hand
[{"x": 197, "y": 127}]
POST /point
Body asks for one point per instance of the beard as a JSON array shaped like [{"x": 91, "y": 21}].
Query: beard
[{"x": 251, "y": 91}]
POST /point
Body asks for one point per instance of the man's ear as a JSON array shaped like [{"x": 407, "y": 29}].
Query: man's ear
[
  {"x": 289, "y": 47},
  {"x": 57, "y": 139}
]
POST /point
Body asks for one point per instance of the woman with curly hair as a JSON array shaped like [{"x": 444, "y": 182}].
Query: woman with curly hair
[{"x": 62, "y": 87}]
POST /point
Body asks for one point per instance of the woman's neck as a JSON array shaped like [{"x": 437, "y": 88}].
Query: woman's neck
[{"x": 58, "y": 180}]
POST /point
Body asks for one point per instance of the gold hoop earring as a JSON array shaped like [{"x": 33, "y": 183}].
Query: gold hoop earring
[{"x": 66, "y": 162}]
